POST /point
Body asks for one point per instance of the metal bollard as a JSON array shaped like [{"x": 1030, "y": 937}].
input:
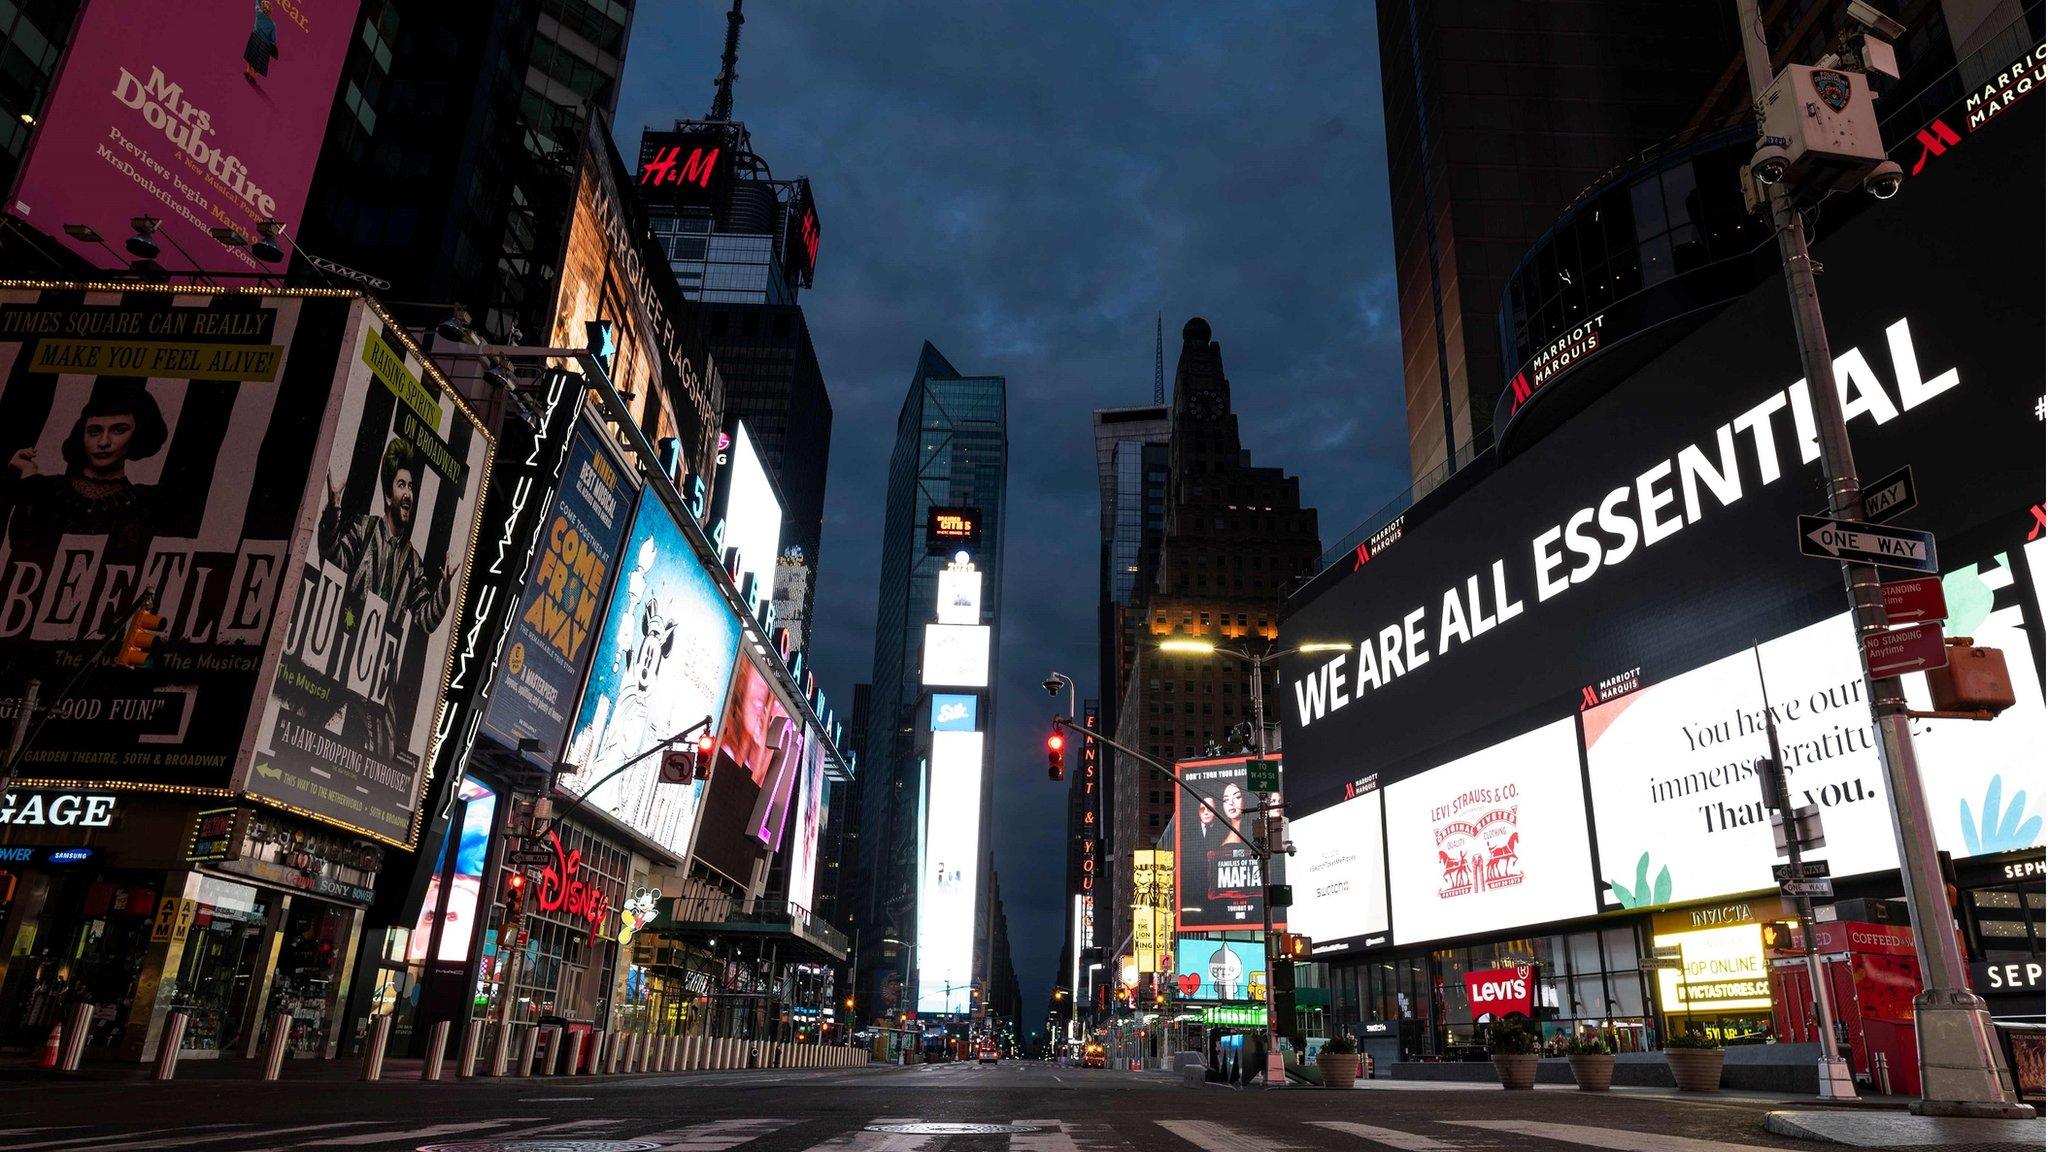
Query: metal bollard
[
  {"x": 527, "y": 1044},
  {"x": 437, "y": 1051},
  {"x": 597, "y": 1049},
  {"x": 472, "y": 1039},
  {"x": 501, "y": 1051},
  {"x": 75, "y": 1032},
  {"x": 632, "y": 1053},
  {"x": 1881, "y": 1073},
  {"x": 661, "y": 1054},
  {"x": 552, "y": 1052},
  {"x": 693, "y": 1052},
  {"x": 608, "y": 1045},
  {"x": 575, "y": 1054},
  {"x": 275, "y": 1045},
  {"x": 373, "y": 1053},
  {"x": 173, "y": 1041},
  {"x": 668, "y": 1052}
]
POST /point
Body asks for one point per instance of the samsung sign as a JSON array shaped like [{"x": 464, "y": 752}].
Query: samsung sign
[{"x": 1654, "y": 531}]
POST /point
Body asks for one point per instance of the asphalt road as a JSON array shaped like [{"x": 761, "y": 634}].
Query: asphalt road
[{"x": 1071, "y": 1110}]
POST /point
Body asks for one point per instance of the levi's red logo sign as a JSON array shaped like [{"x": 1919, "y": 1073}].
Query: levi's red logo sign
[
  {"x": 1499, "y": 992},
  {"x": 670, "y": 166}
]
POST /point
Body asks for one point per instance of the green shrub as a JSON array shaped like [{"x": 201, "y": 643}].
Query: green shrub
[
  {"x": 1340, "y": 1045},
  {"x": 1511, "y": 1039},
  {"x": 1692, "y": 1038}
]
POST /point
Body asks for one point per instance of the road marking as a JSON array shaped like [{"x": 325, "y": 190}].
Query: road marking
[
  {"x": 44, "y": 1128},
  {"x": 185, "y": 1141},
  {"x": 553, "y": 1099},
  {"x": 714, "y": 1137},
  {"x": 862, "y": 1140},
  {"x": 1392, "y": 1138},
  {"x": 1220, "y": 1137},
  {"x": 422, "y": 1133},
  {"x": 129, "y": 1135},
  {"x": 1618, "y": 1139}
]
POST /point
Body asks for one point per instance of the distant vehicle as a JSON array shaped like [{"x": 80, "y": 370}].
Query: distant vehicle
[
  {"x": 987, "y": 1054},
  {"x": 1093, "y": 1056}
]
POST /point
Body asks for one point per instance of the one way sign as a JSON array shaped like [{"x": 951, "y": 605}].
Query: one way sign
[{"x": 1867, "y": 544}]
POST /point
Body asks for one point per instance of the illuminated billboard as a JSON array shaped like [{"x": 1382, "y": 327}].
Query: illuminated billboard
[
  {"x": 950, "y": 530},
  {"x": 554, "y": 630},
  {"x": 200, "y": 476},
  {"x": 955, "y": 712},
  {"x": 956, "y": 655},
  {"x": 1495, "y": 839},
  {"x": 1339, "y": 874},
  {"x": 1220, "y": 970},
  {"x": 811, "y": 811},
  {"x": 1152, "y": 919},
  {"x": 1216, "y": 874},
  {"x": 663, "y": 662},
  {"x": 959, "y": 596},
  {"x": 752, "y": 737},
  {"x": 207, "y": 116},
  {"x": 685, "y": 167},
  {"x": 751, "y": 514},
  {"x": 951, "y": 874},
  {"x": 347, "y": 730}
]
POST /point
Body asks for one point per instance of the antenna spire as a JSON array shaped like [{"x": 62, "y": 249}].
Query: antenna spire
[
  {"x": 1158, "y": 358},
  {"x": 721, "y": 105}
]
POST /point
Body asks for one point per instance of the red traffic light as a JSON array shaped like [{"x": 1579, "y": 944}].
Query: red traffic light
[
  {"x": 1055, "y": 756},
  {"x": 515, "y": 882},
  {"x": 707, "y": 744}
]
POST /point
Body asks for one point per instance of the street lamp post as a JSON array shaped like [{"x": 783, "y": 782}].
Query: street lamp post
[{"x": 1264, "y": 848}]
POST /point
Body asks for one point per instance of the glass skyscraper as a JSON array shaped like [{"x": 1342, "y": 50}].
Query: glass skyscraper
[{"x": 951, "y": 454}]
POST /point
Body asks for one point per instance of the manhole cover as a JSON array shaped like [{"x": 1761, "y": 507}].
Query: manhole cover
[
  {"x": 942, "y": 1128},
  {"x": 543, "y": 1146}
]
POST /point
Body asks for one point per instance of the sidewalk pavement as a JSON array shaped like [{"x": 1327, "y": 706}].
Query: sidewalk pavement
[{"x": 1859, "y": 1129}]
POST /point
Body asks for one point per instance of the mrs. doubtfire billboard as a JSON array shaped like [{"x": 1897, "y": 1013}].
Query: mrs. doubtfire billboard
[{"x": 204, "y": 114}]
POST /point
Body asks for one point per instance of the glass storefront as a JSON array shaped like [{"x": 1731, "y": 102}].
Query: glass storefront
[
  {"x": 308, "y": 977},
  {"x": 81, "y": 938},
  {"x": 222, "y": 963}
]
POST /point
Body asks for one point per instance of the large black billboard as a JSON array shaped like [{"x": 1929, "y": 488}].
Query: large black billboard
[{"x": 1654, "y": 532}]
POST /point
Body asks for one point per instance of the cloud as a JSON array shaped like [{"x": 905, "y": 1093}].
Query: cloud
[{"x": 1026, "y": 185}]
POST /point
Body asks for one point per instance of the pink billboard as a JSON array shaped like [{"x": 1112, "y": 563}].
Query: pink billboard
[{"x": 204, "y": 114}]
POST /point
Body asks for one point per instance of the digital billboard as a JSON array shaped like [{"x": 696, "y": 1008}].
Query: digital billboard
[
  {"x": 956, "y": 655},
  {"x": 1494, "y": 839},
  {"x": 352, "y": 711},
  {"x": 554, "y": 628},
  {"x": 189, "y": 468},
  {"x": 959, "y": 596},
  {"x": 1216, "y": 873},
  {"x": 612, "y": 270},
  {"x": 1220, "y": 970},
  {"x": 1339, "y": 874},
  {"x": 950, "y": 530},
  {"x": 753, "y": 732},
  {"x": 1676, "y": 803},
  {"x": 801, "y": 234},
  {"x": 811, "y": 811},
  {"x": 664, "y": 660},
  {"x": 207, "y": 117},
  {"x": 951, "y": 862},
  {"x": 1152, "y": 919},
  {"x": 751, "y": 514},
  {"x": 471, "y": 843},
  {"x": 1654, "y": 532},
  {"x": 685, "y": 167},
  {"x": 955, "y": 712}
]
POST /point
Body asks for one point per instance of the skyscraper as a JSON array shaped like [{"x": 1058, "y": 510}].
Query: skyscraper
[
  {"x": 930, "y": 700},
  {"x": 743, "y": 245},
  {"x": 1130, "y": 471},
  {"x": 1497, "y": 116},
  {"x": 1236, "y": 539}
]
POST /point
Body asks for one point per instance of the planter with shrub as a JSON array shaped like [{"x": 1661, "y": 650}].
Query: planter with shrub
[
  {"x": 1695, "y": 1060},
  {"x": 1338, "y": 1061},
  {"x": 1514, "y": 1056},
  {"x": 1592, "y": 1061}
]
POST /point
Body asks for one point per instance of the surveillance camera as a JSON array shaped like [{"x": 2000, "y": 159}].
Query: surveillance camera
[
  {"x": 1883, "y": 181},
  {"x": 1052, "y": 686},
  {"x": 1769, "y": 164},
  {"x": 1289, "y": 846},
  {"x": 1876, "y": 22}
]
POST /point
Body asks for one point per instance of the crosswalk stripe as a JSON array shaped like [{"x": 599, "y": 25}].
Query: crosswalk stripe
[
  {"x": 714, "y": 1137},
  {"x": 1618, "y": 1139},
  {"x": 422, "y": 1133},
  {"x": 1392, "y": 1138},
  {"x": 185, "y": 1141},
  {"x": 1210, "y": 1137},
  {"x": 862, "y": 1140}
]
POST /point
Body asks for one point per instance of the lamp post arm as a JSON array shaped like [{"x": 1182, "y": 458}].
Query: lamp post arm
[
  {"x": 607, "y": 777},
  {"x": 1156, "y": 766}
]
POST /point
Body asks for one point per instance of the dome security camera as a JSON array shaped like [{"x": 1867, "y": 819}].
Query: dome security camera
[
  {"x": 1052, "y": 686},
  {"x": 1883, "y": 181},
  {"x": 1769, "y": 164}
]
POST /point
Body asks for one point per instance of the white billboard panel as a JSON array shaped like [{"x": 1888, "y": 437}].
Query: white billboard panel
[
  {"x": 753, "y": 516},
  {"x": 959, "y": 596},
  {"x": 1492, "y": 840},
  {"x": 956, "y": 655},
  {"x": 952, "y": 854},
  {"x": 1339, "y": 872}
]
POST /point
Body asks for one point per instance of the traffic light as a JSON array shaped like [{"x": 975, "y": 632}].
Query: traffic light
[
  {"x": 515, "y": 898},
  {"x": 1056, "y": 756},
  {"x": 706, "y": 745},
  {"x": 144, "y": 627}
]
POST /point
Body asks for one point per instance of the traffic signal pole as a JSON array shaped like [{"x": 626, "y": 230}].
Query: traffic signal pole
[{"x": 1961, "y": 1072}]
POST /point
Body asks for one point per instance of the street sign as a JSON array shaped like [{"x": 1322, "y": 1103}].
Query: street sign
[
  {"x": 678, "y": 766},
  {"x": 1908, "y": 601},
  {"x": 1654, "y": 963},
  {"x": 1262, "y": 775},
  {"x": 1892, "y": 496},
  {"x": 1804, "y": 823},
  {"x": 1822, "y": 887},
  {"x": 1808, "y": 870},
  {"x": 530, "y": 858},
  {"x": 1901, "y": 650},
  {"x": 1668, "y": 952},
  {"x": 1863, "y": 543}
]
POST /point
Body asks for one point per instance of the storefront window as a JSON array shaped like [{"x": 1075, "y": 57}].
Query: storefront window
[
  {"x": 86, "y": 944},
  {"x": 309, "y": 971},
  {"x": 223, "y": 953}
]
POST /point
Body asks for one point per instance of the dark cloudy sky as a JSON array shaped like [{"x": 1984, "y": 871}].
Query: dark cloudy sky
[{"x": 1025, "y": 184}]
